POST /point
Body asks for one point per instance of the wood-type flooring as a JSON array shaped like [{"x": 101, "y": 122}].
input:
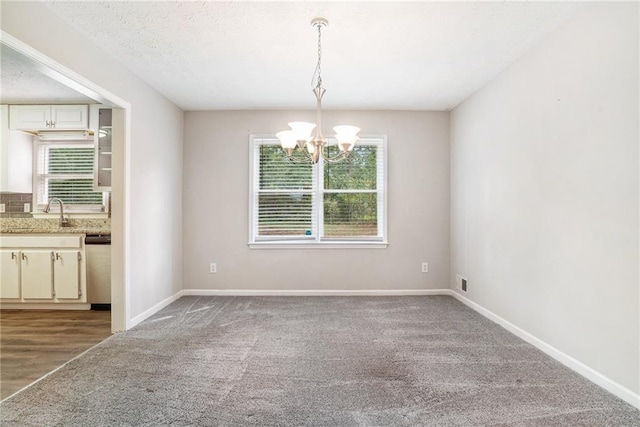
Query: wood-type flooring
[{"x": 35, "y": 342}]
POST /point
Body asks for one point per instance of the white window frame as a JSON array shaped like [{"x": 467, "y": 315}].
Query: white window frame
[
  {"x": 37, "y": 206},
  {"x": 316, "y": 241}
]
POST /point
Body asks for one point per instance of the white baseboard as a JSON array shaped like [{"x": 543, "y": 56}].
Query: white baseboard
[
  {"x": 44, "y": 306},
  {"x": 370, "y": 292},
  {"x": 611, "y": 386},
  {"x": 153, "y": 310}
]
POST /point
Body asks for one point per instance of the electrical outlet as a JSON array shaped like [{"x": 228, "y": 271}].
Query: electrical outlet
[
  {"x": 27, "y": 207},
  {"x": 425, "y": 267},
  {"x": 213, "y": 268},
  {"x": 1, "y": 207}
]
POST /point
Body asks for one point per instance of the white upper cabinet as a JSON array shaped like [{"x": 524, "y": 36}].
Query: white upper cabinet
[
  {"x": 40, "y": 117},
  {"x": 29, "y": 117},
  {"x": 70, "y": 116},
  {"x": 100, "y": 120}
]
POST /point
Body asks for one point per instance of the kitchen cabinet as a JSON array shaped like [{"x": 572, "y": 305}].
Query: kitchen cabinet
[
  {"x": 47, "y": 274},
  {"x": 43, "y": 268},
  {"x": 37, "y": 274},
  {"x": 9, "y": 273},
  {"x": 41, "y": 117},
  {"x": 66, "y": 274},
  {"x": 101, "y": 122}
]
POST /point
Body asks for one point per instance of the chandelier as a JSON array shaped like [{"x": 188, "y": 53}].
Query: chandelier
[{"x": 300, "y": 142}]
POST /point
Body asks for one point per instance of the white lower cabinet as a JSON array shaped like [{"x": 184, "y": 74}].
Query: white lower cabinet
[
  {"x": 43, "y": 268},
  {"x": 37, "y": 274},
  {"x": 9, "y": 273},
  {"x": 66, "y": 275}
]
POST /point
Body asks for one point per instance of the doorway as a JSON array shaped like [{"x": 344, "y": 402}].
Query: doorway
[
  {"x": 121, "y": 122},
  {"x": 39, "y": 341}
]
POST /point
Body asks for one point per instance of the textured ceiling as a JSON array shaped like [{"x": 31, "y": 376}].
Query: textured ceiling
[
  {"x": 261, "y": 55},
  {"x": 22, "y": 82}
]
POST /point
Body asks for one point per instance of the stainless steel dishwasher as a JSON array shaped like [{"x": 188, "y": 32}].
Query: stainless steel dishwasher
[{"x": 98, "y": 250}]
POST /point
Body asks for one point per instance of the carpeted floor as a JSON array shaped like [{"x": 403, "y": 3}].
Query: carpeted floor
[{"x": 324, "y": 361}]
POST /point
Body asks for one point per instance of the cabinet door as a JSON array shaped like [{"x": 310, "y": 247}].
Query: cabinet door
[
  {"x": 10, "y": 274},
  {"x": 29, "y": 117},
  {"x": 37, "y": 274},
  {"x": 101, "y": 120},
  {"x": 70, "y": 116},
  {"x": 66, "y": 274}
]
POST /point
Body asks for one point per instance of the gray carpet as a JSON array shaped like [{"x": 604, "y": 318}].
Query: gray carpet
[{"x": 324, "y": 361}]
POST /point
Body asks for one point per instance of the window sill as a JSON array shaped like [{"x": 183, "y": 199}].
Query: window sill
[{"x": 318, "y": 245}]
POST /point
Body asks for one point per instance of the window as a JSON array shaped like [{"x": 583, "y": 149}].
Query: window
[
  {"x": 64, "y": 170},
  {"x": 318, "y": 205}
]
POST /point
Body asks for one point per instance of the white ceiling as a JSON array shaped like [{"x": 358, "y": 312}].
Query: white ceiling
[
  {"x": 261, "y": 55},
  {"x": 24, "y": 82}
]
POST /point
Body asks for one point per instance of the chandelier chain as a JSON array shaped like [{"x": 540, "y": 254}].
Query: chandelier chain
[{"x": 318, "y": 71}]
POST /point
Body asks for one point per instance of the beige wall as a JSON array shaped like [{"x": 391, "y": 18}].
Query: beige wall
[
  {"x": 153, "y": 215},
  {"x": 216, "y": 193},
  {"x": 544, "y": 192}
]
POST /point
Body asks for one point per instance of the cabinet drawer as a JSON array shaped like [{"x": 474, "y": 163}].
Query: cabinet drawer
[{"x": 41, "y": 241}]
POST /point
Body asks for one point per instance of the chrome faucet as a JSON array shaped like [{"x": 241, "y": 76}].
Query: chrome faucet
[{"x": 64, "y": 222}]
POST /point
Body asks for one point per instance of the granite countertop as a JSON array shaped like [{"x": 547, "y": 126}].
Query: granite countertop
[{"x": 52, "y": 226}]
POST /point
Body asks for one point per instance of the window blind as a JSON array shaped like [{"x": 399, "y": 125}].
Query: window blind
[
  {"x": 352, "y": 192},
  {"x": 284, "y": 196},
  {"x": 65, "y": 171}
]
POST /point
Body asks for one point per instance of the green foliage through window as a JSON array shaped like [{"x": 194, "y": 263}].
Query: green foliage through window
[{"x": 358, "y": 172}]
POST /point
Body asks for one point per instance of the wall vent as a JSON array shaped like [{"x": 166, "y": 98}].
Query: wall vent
[{"x": 461, "y": 282}]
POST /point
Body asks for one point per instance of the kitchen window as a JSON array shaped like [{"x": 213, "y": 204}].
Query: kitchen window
[
  {"x": 325, "y": 205},
  {"x": 64, "y": 170}
]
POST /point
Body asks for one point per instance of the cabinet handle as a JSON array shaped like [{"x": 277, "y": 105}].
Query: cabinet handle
[
  {"x": 13, "y": 255},
  {"x": 57, "y": 255},
  {"x": 48, "y": 123},
  {"x": 53, "y": 124},
  {"x": 24, "y": 256}
]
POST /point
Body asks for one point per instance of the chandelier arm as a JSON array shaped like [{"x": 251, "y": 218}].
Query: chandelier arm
[
  {"x": 300, "y": 157},
  {"x": 303, "y": 156},
  {"x": 298, "y": 161},
  {"x": 334, "y": 159}
]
